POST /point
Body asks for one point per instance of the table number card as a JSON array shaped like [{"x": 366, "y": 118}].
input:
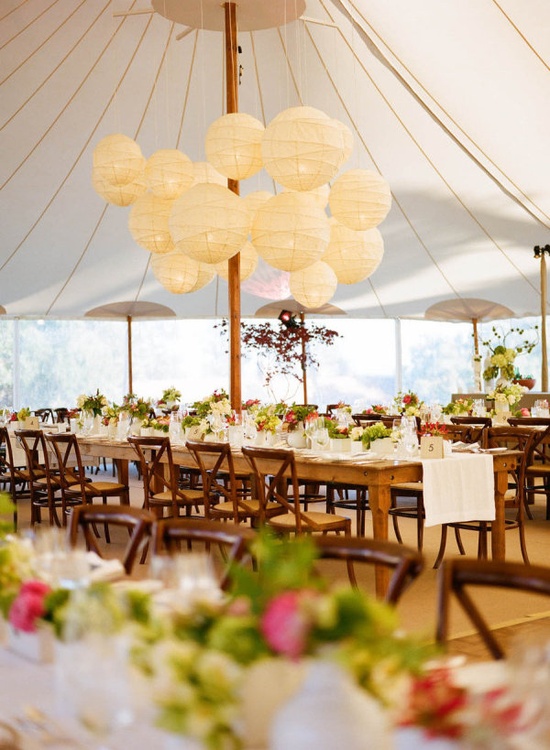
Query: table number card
[{"x": 431, "y": 447}]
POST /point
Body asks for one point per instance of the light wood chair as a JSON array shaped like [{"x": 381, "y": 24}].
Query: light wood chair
[
  {"x": 160, "y": 477},
  {"x": 137, "y": 521},
  {"x": 276, "y": 481},
  {"x": 457, "y": 577}
]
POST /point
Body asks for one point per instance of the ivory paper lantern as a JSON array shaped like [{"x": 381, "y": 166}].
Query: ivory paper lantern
[
  {"x": 203, "y": 172},
  {"x": 313, "y": 286},
  {"x": 209, "y": 223},
  {"x": 119, "y": 195},
  {"x": 353, "y": 256},
  {"x": 168, "y": 173},
  {"x": 360, "y": 199},
  {"x": 248, "y": 263},
  {"x": 206, "y": 274},
  {"x": 303, "y": 148},
  {"x": 233, "y": 145},
  {"x": 254, "y": 200},
  {"x": 148, "y": 223},
  {"x": 176, "y": 272},
  {"x": 118, "y": 159},
  {"x": 320, "y": 195},
  {"x": 290, "y": 231}
]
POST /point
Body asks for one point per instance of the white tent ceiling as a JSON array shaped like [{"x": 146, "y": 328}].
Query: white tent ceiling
[{"x": 450, "y": 101}]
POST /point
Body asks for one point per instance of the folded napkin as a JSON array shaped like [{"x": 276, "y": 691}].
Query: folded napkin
[
  {"x": 104, "y": 570},
  {"x": 459, "y": 488}
]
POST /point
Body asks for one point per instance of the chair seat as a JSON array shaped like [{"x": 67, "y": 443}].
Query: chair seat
[
  {"x": 101, "y": 488},
  {"x": 538, "y": 470},
  {"x": 253, "y": 506},
  {"x": 187, "y": 496},
  {"x": 319, "y": 521},
  {"x": 408, "y": 487}
]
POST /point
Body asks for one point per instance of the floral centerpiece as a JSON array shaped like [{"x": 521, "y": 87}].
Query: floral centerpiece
[
  {"x": 433, "y": 429},
  {"x": 161, "y": 424},
  {"x": 507, "y": 396},
  {"x": 462, "y": 406},
  {"x": 373, "y": 432},
  {"x": 213, "y": 411},
  {"x": 376, "y": 409},
  {"x": 110, "y": 414},
  {"x": 441, "y": 709},
  {"x": 21, "y": 415},
  {"x": 501, "y": 356},
  {"x": 266, "y": 419},
  {"x": 93, "y": 404},
  {"x": 407, "y": 403},
  {"x": 297, "y": 414},
  {"x": 138, "y": 408},
  {"x": 199, "y": 660},
  {"x": 337, "y": 430},
  {"x": 170, "y": 398}
]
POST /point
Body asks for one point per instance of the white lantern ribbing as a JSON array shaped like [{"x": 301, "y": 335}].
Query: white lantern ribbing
[
  {"x": 176, "y": 272},
  {"x": 209, "y": 223},
  {"x": 352, "y": 255},
  {"x": 168, "y": 173},
  {"x": 233, "y": 145},
  {"x": 118, "y": 159},
  {"x": 148, "y": 223},
  {"x": 360, "y": 199},
  {"x": 290, "y": 231},
  {"x": 203, "y": 172},
  {"x": 313, "y": 286},
  {"x": 119, "y": 195},
  {"x": 248, "y": 263},
  {"x": 303, "y": 148}
]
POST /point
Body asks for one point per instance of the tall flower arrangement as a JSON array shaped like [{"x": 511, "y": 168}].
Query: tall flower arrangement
[
  {"x": 503, "y": 349},
  {"x": 94, "y": 403}
]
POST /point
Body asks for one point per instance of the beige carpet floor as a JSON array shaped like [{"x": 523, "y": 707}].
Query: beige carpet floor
[{"x": 418, "y": 606}]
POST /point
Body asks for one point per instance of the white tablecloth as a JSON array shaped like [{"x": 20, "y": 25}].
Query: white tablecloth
[{"x": 459, "y": 488}]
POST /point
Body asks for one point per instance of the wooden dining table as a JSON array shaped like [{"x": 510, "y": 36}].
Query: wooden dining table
[{"x": 376, "y": 475}]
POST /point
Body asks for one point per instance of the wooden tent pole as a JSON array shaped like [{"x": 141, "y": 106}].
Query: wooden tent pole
[
  {"x": 544, "y": 364},
  {"x": 476, "y": 337},
  {"x": 304, "y": 361},
  {"x": 234, "y": 269},
  {"x": 130, "y": 365}
]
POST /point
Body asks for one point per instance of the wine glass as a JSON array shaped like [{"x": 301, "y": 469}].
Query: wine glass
[{"x": 322, "y": 438}]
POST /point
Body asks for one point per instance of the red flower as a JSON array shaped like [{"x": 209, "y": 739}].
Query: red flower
[
  {"x": 286, "y": 625},
  {"x": 406, "y": 399},
  {"x": 28, "y": 607}
]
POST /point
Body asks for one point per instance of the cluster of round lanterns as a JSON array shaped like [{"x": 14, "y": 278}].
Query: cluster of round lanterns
[{"x": 184, "y": 213}]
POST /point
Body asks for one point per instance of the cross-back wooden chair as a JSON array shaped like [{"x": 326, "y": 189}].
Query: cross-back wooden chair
[
  {"x": 160, "y": 477},
  {"x": 538, "y": 463},
  {"x": 276, "y": 481},
  {"x": 513, "y": 438},
  {"x": 405, "y": 563},
  {"x": 137, "y": 521},
  {"x": 457, "y": 577},
  {"x": 76, "y": 487},
  {"x": 233, "y": 540},
  {"x": 44, "y": 484},
  {"x": 225, "y": 493},
  {"x": 13, "y": 479}
]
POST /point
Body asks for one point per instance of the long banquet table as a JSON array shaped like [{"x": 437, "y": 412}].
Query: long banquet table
[{"x": 377, "y": 476}]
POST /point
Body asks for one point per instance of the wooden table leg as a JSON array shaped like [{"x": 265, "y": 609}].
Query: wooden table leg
[
  {"x": 379, "y": 502},
  {"x": 122, "y": 473},
  {"x": 498, "y": 543}
]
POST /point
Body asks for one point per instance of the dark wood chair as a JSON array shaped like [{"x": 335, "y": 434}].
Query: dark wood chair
[
  {"x": 44, "y": 415},
  {"x": 458, "y": 576},
  {"x": 160, "y": 477},
  {"x": 13, "y": 479},
  {"x": 276, "y": 481},
  {"x": 174, "y": 535},
  {"x": 513, "y": 438},
  {"x": 76, "y": 487},
  {"x": 538, "y": 462},
  {"x": 43, "y": 482},
  {"x": 406, "y": 564},
  {"x": 480, "y": 421},
  {"x": 137, "y": 521}
]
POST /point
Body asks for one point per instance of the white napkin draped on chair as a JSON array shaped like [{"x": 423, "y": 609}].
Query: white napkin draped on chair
[{"x": 459, "y": 488}]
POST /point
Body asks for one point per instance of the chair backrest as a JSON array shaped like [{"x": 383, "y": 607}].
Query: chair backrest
[
  {"x": 276, "y": 481},
  {"x": 158, "y": 471},
  {"x": 138, "y": 522},
  {"x": 219, "y": 481},
  {"x": 233, "y": 539},
  {"x": 465, "y": 433},
  {"x": 456, "y": 576},
  {"x": 406, "y": 563},
  {"x": 485, "y": 421},
  {"x": 61, "y": 414},
  {"x": 7, "y": 468},
  {"x": 70, "y": 468},
  {"x": 36, "y": 453},
  {"x": 529, "y": 421},
  {"x": 524, "y": 439},
  {"x": 44, "y": 415},
  {"x": 366, "y": 419}
]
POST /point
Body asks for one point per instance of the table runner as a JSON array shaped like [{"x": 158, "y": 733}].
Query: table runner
[{"x": 459, "y": 488}]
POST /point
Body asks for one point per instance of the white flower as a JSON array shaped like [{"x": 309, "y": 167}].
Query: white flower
[{"x": 356, "y": 433}]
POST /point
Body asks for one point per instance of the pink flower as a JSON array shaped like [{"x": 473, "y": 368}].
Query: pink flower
[
  {"x": 285, "y": 623},
  {"x": 29, "y": 605},
  {"x": 525, "y": 412}
]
